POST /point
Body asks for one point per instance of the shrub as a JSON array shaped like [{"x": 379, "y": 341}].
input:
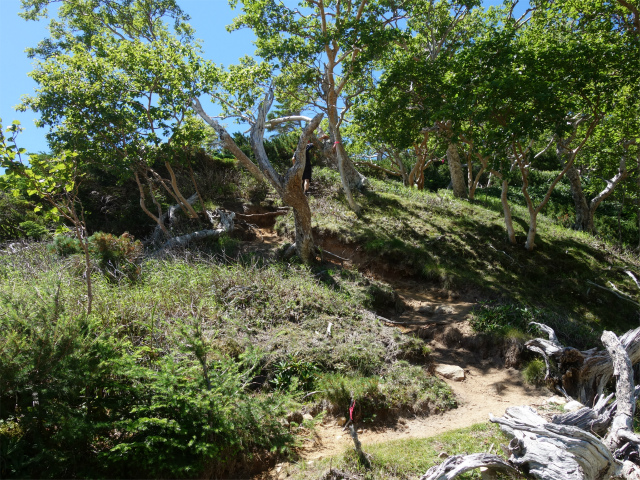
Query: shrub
[
  {"x": 65, "y": 246},
  {"x": 79, "y": 401},
  {"x": 294, "y": 372},
  {"x": 33, "y": 230},
  {"x": 117, "y": 256},
  {"x": 409, "y": 387},
  {"x": 535, "y": 371}
]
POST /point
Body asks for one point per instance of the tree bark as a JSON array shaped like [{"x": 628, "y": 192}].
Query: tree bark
[
  {"x": 455, "y": 169},
  {"x": 584, "y": 217},
  {"x": 508, "y": 221}
]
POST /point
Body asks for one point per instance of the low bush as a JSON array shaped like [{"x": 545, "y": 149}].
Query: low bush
[
  {"x": 117, "y": 256},
  {"x": 33, "y": 230},
  {"x": 65, "y": 246},
  {"x": 535, "y": 371},
  {"x": 401, "y": 389},
  {"x": 77, "y": 399}
]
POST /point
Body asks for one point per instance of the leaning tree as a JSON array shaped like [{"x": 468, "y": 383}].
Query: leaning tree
[{"x": 318, "y": 49}]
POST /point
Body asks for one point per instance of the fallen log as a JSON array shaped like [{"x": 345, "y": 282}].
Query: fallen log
[
  {"x": 226, "y": 226},
  {"x": 459, "y": 464},
  {"x": 567, "y": 448},
  {"x": 583, "y": 375}
]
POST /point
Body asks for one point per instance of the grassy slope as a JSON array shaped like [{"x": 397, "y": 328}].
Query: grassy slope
[{"x": 461, "y": 245}]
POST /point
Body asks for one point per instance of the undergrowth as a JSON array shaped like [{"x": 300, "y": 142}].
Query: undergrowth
[{"x": 190, "y": 370}]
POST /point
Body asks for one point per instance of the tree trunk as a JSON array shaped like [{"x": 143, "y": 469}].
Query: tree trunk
[
  {"x": 508, "y": 221},
  {"x": 455, "y": 169},
  {"x": 349, "y": 176},
  {"x": 531, "y": 234},
  {"x": 403, "y": 171},
  {"x": 584, "y": 217}
]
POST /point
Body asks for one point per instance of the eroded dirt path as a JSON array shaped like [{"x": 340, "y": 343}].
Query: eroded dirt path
[{"x": 488, "y": 387}]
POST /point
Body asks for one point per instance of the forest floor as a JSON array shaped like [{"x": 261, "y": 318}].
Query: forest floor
[{"x": 488, "y": 387}]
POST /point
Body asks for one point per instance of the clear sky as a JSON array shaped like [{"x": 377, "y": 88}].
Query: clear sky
[{"x": 208, "y": 17}]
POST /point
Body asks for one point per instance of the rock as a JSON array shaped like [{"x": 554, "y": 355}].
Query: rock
[
  {"x": 445, "y": 309},
  {"x": 307, "y": 417},
  {"x": 443, "y": 455},
  {"x": 555, "y": 400},
  {"x": 573, "y": 406},
  {"x": 359, "y": 430},
  {"x": 452, "y": 372},
  {"x": 426, "y": 309},
  {"x": 341, "y": 421}
]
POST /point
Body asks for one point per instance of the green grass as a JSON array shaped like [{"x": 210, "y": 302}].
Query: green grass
[
  {"x": 461, "y": 245},
  {"x": 408, "y": 459}
]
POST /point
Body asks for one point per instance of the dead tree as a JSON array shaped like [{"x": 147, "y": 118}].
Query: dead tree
[
  {"x": 580, "y": 374},
  {"x": 590, "y": 444}
]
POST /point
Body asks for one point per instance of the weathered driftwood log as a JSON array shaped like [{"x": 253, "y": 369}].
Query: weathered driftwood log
[
  {"x": 595, "y": 420},
  {"x": 566, "y": 448},
  {"x": 459, "y": 464},
  {"x": 226, "y": 225},
  {"x": 581, "y": 374}
]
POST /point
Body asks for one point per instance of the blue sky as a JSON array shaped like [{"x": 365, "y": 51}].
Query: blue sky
[{"x": 208, "y": 17}]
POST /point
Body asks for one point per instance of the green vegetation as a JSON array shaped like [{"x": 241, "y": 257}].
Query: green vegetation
[
  {"x": 460, "y": 246},
  {"x": 402, "y": 459},
  {"x": 190, "y": 369},
  {"x": 120, "y": 357}
]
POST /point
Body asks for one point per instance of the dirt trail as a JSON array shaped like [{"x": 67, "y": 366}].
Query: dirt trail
[{"x": 488, "y": 388}]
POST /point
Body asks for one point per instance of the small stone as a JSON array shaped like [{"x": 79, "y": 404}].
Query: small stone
[
  {"x": 443, "y": 455},
  {"x": 341, "y": 421},
  {"x": 359, "y": 430},
  {"x": 307, "y": 416},
  {"x": 426, "y": 309},
  {"x": 572, "y": 406},
  {"x": 555, "y": 400},
  {"x": 452, "y": 372},
  {"x": 338, "y": 437}
]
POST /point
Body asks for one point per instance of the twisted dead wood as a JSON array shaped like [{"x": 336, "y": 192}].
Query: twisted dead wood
[{"x": 567, "y": 447}]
